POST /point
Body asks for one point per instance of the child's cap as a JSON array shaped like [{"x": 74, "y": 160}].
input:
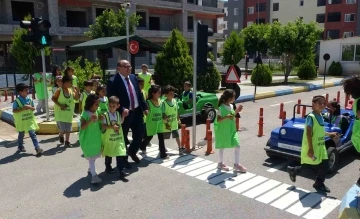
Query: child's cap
[
  {"x": 20, "y": 87},
  {"x": 317, "y": 98},
  {"x": 188, "y": 83},
  {"x": 59, "y": 77}
]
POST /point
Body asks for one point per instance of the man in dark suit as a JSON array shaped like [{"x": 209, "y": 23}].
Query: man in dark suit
[{"x": 124, "y": 85}]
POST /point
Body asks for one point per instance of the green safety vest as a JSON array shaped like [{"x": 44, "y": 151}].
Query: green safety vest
[
  {"x": 335, "y": 120},
  {"x": 67, "y": 114},
  {"x": 186, "y": 98},
  {"x": 113, "y": 144},
  {"x": 90, "y": 138},
  {"x": 147, "y": 80},
  {"x": 226, "y": 135},
  {"x": 355, "y": 137},
  {"x": 39, "y": 87},
  {"x": 318, "y": 142},
  {"x": 83, "y": 101},
  {"x": 103, "y": 106},
  {"x": 25, "y": 120},
  {"x": 75, "y": 82},
  {"x": 144, "y": 95},
  {"x": 172, "y": 113},
  {"x": 154, "y": 120}
]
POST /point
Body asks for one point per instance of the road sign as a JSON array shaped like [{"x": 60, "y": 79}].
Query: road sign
[
  {"x": 232, "y": 75},
  {"x": 133, "y": 47}
]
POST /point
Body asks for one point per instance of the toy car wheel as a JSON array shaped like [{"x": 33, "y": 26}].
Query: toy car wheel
[
  {"x": 270, "y": 155},
  {"x": 210, "y": 113},
  {"x": 333, "y": 158}
]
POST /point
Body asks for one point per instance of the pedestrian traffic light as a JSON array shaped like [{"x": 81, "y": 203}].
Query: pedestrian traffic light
[
  {"x": 203, "y": 47},
  {"x": 38, "y": 32},
  {"x": 30, "y": 37}
]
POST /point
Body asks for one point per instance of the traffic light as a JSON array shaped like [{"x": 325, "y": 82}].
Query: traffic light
[
  {"x": 30, "y": 37},
  {"x": 203, "y": 47},
  {"x": 38, "y": 32}
]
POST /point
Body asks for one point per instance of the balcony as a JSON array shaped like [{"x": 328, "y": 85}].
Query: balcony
[
  {"x": 160, "y": 3},
  {"x": 72, "y": 31},
  {"x": 204, "y": 5},
  {"x": 153, "y": 33}
]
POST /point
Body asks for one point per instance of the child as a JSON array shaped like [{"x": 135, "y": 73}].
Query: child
[
  {"x": 113, "y": 138},
  {"x": 146, "y": 76},
  {"x": 23, "y": 108},
  {"x": 313, "y": 150},
  {"x": 87, "y": 91},
  {"x": 225, "y": 130},
  {"x": 69, "y": 71},
  {"x": 171, "y": 116},
  {"x": 64, "y": 108},
  {"x": 334, "y": 116},
  {"x": 187, "y": 96},
  {"x": 144, "y": 93},
  {"x": 90, "y": 134},
  {"x": 96, "y": 81},
  {"x": 104, "y": 101},
  {"x": 58, "y": 83},
  {"x": 55, "y": 73},
  {"x": 154, "y": 121},
  {"x": 40, "y": 92}
]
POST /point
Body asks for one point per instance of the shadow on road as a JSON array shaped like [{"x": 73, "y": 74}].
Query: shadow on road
[{"x": 14, "y": 157}]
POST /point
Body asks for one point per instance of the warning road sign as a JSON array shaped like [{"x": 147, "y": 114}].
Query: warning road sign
[{"x": 232, "y": 76}]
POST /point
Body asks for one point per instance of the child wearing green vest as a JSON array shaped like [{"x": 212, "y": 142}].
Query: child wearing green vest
[
  {"x": 313, "y": 150},
  {"x": 87, "y": 91},
  {"x": 69, "y": 71},
  {"x": 104, "y": 101},
  {"x": 23, "y": 108},
  {"x": 96, "y": 81},
  {"x": 187, "y": 96},
  {"x": 141, "y": 86},
  {"x": 113, "y": 144},
  {"x": 90, "y": 134},
  {"x": 64, "y": 99},
  {"x": 154, "y": 121},
  {"x": 226, "y": 135},
  {"x": 40, "y": 92},
  {"x": 334, "y": 116},
  {"x": 146, "y": 76},
  {"x": 58, "y": 84},
  {"x": 171, "y": 116}
]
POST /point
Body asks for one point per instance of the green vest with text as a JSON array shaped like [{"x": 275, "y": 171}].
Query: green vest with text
[
  {"x": 25, "y": 120},
  {"x": 67, "y": 114},
  {"x": 113, "y": 144},
  {"x": 154, "y": 120},
  {"x": 172, "y": 114}
]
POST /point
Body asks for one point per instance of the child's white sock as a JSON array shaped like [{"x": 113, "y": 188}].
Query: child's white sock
[
  {"x": 221, "y": 155},
  {"x": 237, "y": 155},
  {"x": 92, "y": 167}
]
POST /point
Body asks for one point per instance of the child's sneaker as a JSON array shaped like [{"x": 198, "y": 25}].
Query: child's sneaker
[
  {"x": 181, "y": 151},
  {"x": 95, "y": 180},
  {"x": 292, "y": 173},
  {"x": 61, "y": 139},
  {"x": 222, "y": 166},
  {"x": 39, "y": 151},
  {"x": 239, "y": 168},
  {"x": 67, "y": 144},
  {"x": 22, "y": 149}
]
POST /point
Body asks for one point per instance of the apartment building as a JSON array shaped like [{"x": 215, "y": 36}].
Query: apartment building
[{"x": 71, "y": 18}]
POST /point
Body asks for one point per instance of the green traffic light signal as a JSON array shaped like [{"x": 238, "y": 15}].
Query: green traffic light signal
[{"x": 43, "y": 40}]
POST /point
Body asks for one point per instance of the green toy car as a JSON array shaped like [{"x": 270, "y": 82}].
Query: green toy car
[{"x": 206, "y": 106}]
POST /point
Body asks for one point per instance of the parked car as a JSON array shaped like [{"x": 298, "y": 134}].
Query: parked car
[{"x": 285, "y": 141}]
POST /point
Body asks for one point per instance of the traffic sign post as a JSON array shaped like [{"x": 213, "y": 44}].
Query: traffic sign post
[
  {"x": 232, "y": 75},
  {"x": 133, "y": 47},
  {"x": 326, "y": 57}
]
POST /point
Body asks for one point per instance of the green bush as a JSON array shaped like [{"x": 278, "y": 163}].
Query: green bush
[
  {"x": 261, "y": 75},
  {"x": 209, "y": 82},
  {"x": 335, "y": 69},
  {"x": 306, "y": 70}
]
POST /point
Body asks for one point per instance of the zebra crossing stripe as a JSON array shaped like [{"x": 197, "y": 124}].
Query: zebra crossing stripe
[{"x": 294, "y": 200}]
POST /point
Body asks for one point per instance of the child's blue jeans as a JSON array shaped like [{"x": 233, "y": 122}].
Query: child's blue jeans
[{"x": 32, "y": 136}]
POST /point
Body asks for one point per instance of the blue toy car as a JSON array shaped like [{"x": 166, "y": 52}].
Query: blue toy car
[{"x": 286, "y": 141}]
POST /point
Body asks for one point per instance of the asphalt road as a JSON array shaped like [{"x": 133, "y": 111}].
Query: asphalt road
[{"x": 56, "y": 185}]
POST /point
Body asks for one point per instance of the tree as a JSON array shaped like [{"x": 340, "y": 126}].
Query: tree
[
  {"x": 255, "y": 37},
  {"x": 174, "y": 64},
  {"x": 294, "y": 41},
  {"x": 210, "y": 81},
  {"x": 233, "y": 49},
  {"x": 24, "y": 52},
  {"x": 112, "y": 23}
]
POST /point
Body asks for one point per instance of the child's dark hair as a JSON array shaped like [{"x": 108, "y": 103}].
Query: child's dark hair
[
  {"x": 139, "y": 80},
  {"x": 66, "y": 78},
  {"x": 67, "y": 69},
  {"x": 188, "y": 83},
  {"x": 99, "y": 88},
  {"x": 88, "y": 83},
  {"x": 153, "y": 89},
  {"x": 54, "y": 70},
  {"x": 336, "y": 105},
  {"x": 317, "y": 98},
  {"x": 90, "y": 101},
  {"x": 95, "y": 76},
  {"x": 169, "y": 88},
  {"x": 352, "y": 87},
  {"x": 114, "y": 99},
  {"x": 21, "y": 87},
  {"x": 59, "y": 77},
  {"x": 228, "y": 94}
]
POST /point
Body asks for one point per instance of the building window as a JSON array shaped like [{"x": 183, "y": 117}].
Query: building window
[
  {"x": 236, "y": 26},
  {"x": 348, "y": 34},
  {"x": 350, "y": 53},
  {"x": 301, "y": 18},
  {"x": 275, "y": 6},
  {"x": 333, "y": 34},
  {"x": 333, "y": 2},
  {"x": 334, "y": 17},
  {"x": 76, "y": 19},
  {"x": 249, "y": 23},
  {"x": 275, "y": 20},
  {"x": 260, "y": 21},
  {"x": 99, "y": 11},
  {"x": 260, "y": 7},
  {"x": 349, "y": 17},
  {"x": 350, "y": 1},
  {"x": 190, "y": 20},
  {"x": 21, "y": 9},
  {"x": 142, "y": 20},
  {"x": 236, "y": 11},
  {"x": 250, "y": 10},
  {"x": 320, "y": 18},
  {"x": 321, "y": 3},
  {"x": 301, "y": 2}
]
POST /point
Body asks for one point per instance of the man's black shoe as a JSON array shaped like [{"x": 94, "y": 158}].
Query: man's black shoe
[
  {"x": 110, "y": 170},
  {"x": 122, "y": 176},
  {"x": 320, "y": 186},
  {"x": 135, "y": 158}
]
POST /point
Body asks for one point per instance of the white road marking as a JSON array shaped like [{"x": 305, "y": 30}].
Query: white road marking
[
  {"x": 274, "y": 194},
  {"x": 248, "y": 184},
  {"x": 177, "y": 160},
  {"x": 202, "y": 170},
  {"x": 171, "y": 158},
  {"x": 290, "y": 198},
  {"x": 323, "y": 209},
  {"x": 218, "y": 179},
  {"x": 231, "y": 182},
  {"x": 278, "y": 167},
  {"x": 278, "y": 104},
  {"x": 252, "y": 193},
  {"x": 305, "y": 204},
  {"x": 195, "y": 166}
]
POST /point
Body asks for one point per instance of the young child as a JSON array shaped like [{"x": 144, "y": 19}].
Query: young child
[
  {"x": 23, "y": 108},
  {"x": 313, "y": 150},
  {"x": 144, "y": 93},
  {"x": 113, "y": 138},
  {"x": 225, "y": 130},
  {"x": 90, "y": 134},
  {"x": 69, "y": 71},
  {"x": 334, "y": 116},
  {"x": 56, "y": 71},
  {"x": 58, "y": 83},
  {"x": 187, "y": 96},
  {"x": 96, "y": 81},
  {"x": 87, "y": 91},
  {"x": 171, "y": 116},
  {"x": 154, "y": 121},
  {"x": 64, "y": 108},
  {"x": 146, "y": 76},
  {"x": 40, "y": 92},
  {"x": 104, "y": 101}
]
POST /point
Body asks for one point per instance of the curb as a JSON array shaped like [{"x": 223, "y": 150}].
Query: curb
[
  {"x": 50, "y": 127},
  {"x": 289, "y": 91}
]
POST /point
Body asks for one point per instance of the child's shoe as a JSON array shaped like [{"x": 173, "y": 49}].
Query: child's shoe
[
  {"x": 164, "y": 156},
  {"x": 239, "y": 168},
  {"x": 67, "y": 144},
  {"x": 320, "y": 186},
  {"x": 222, "y": 166},
  {"x": 61, "y": 139},
  {"x": 39, "y": 151},
  {"x": 95, "y": 180},
  {"x": 22, "y": 149},
  {"x": 292, "y": 173}
]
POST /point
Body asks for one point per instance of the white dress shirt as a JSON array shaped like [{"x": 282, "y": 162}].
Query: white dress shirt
[{"x": 128, "y": 91}]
